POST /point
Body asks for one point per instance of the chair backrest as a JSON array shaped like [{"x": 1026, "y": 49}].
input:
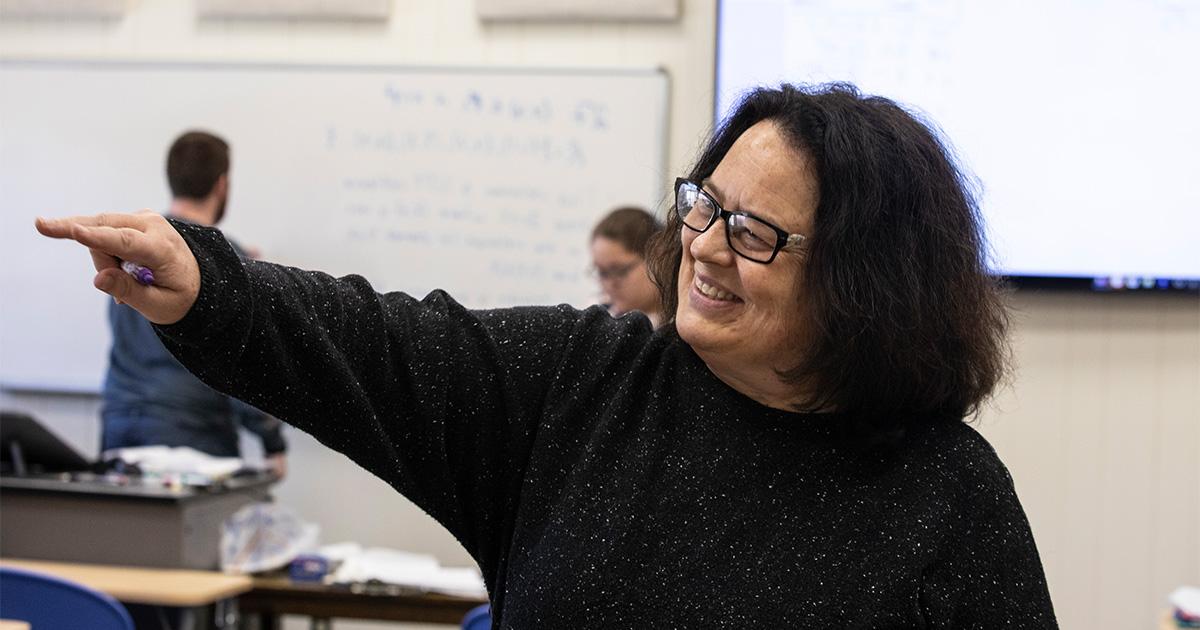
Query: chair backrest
[
  {"x": 478, "y": 618},
  {"x": 50, "y": 603}
]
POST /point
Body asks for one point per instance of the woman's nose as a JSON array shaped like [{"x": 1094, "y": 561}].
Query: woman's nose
[{"x": 711, "y": 246}]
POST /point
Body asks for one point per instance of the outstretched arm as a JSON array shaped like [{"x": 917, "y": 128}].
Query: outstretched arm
[{"x": 439, "y": 401}]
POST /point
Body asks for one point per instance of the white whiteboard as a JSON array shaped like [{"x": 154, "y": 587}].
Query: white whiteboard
[{"x": 482, "y": 182}]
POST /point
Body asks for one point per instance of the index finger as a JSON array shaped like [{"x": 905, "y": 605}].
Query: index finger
[
  {"x": 61, "y": 227},
  {"x": 125, "y": 243}
]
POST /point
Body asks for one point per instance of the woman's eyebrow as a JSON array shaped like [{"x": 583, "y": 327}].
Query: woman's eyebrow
[{"x": 707, "y": 184}]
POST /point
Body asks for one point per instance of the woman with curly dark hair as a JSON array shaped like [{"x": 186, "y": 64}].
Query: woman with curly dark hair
[
  {"x": 787, "y": 451},
  {"x": 901, "y": 322}
]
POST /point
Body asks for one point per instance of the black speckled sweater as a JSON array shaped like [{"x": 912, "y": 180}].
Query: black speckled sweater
[{"x": 603, "y": 477}]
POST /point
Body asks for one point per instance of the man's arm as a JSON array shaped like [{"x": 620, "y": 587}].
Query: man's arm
[{"x": 269, "y": 429}]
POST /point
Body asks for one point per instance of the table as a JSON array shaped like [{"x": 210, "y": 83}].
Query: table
[
  {"x": 262, "y": 598},
  {"x": 205, "y": 598},
  {"x": 274, "y": 595},
  {"x": 183, "y": 588}
]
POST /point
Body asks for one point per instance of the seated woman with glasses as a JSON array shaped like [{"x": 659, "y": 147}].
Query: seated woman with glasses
[
  {"x": 788, "y": 450},
  {"x": 619, "y": 258}
]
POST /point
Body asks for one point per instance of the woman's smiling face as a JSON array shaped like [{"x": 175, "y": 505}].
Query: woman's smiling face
[{"x": 733, "y": 310}]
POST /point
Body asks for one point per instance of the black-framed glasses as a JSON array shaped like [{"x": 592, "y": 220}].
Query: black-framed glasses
[{"x": 748, "y": 236}]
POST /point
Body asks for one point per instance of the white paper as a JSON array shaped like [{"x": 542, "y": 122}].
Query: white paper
[
  {"x": 413, "y": 570},
  {"x": 177, "y": 460},
  {"x": 1187, "y": 600}
]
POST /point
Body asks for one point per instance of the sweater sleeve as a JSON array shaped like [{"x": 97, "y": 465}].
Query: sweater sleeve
[
  {"x": 988, "y": 574},
  {"x": 439, "y": 401}
]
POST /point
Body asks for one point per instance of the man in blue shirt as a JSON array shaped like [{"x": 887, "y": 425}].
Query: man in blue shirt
[{"x": 149, "y": 398}]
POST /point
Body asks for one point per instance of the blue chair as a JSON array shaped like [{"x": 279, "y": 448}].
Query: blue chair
[
  {"x": 478, "y": 618},
  {"x": 52, "y": 603}
]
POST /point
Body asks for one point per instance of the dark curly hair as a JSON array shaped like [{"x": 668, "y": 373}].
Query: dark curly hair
[{"x": 907, "y": 325}]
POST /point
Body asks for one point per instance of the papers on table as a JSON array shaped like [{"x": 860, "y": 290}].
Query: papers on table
[{"x": 401, "y": 568}]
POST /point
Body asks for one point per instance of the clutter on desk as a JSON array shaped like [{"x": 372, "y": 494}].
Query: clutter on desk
[
  {"x": 308, "y": 567},
  {"x": 264, "y": 537},
  {"x": 1186, "y": 602}
]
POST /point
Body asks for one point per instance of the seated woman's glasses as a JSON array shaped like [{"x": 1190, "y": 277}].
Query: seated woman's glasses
[{"x": 615, "y": 272}]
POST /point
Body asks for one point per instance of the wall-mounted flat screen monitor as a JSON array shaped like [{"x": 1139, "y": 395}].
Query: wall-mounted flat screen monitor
[{"x": 1078, "y": 120}]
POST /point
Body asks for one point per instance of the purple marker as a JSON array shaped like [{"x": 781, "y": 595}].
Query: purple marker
[{"x": 143, "y": 275}]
